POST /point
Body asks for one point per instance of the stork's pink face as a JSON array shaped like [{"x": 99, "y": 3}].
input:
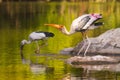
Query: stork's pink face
[{"x": 96, "y": 15}]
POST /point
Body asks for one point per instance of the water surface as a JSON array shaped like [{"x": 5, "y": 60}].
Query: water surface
[{"x": 19, "y": 19}]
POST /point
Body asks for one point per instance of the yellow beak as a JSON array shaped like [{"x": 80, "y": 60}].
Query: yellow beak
[{"x": 54, "y": 25}]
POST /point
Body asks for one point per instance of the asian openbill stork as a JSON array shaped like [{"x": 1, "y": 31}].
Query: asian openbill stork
[
  {"x": 35, "y": 36},
  {"x": 81, "y": 24}
]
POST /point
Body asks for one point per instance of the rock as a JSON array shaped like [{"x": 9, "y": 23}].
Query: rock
[
  {"x": 95, "y": 63},
  {"x": 104, "y": 50},
  {"x": 107, "y": 43},
  {"x": 94, "y": 60}
]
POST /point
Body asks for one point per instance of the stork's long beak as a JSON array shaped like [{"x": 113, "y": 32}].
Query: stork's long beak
[
  {"x": 54, "y": 25},
  {"x": 21, "y": 53},
  {"x": 21, "y": 47}
]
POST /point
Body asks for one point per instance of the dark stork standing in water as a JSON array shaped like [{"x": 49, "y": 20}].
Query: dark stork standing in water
[
  {"x": 81, "y": 24},
  {"x": 35, "y": 36}
]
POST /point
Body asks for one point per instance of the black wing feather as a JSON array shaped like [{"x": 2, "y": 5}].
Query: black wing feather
[
  {"x": 47, "y": 34},
  {"x": 83, "y": 22}
]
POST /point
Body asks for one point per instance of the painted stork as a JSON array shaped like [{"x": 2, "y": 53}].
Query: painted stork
[
  {"x": 81, "y": 24},
  {"x": 35, "y": 36}
]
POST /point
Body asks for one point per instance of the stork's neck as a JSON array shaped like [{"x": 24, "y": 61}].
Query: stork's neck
[
  {"x": 28, "y": 42},
  {"x": 23, "y": 42},
  {"x": 65, "y": 31}
]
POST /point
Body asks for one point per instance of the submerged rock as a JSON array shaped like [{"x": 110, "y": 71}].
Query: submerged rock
[{"x": 94, "y": 60}]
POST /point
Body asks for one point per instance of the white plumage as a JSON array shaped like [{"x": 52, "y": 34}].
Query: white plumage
[{"x": 35, "y": 36}]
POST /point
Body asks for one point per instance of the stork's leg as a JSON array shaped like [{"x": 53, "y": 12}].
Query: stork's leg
[
  {"x": 43, "y": 44},
  {"x": 89, "y": 43},
  {"x": 38, "y": 48},
  {"x": 84, "y": 43},
  {"x": 81, "y": 48}
]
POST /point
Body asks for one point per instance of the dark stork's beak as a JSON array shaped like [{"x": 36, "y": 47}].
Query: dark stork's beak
[
  {"x": 21, "y": 53},
  {"x": 21, "y": 47}
]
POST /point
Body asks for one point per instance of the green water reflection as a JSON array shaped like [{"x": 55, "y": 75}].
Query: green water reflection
[{"x": 18, "y": 19}]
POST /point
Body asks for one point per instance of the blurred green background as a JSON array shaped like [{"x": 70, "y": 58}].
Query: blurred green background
[{"x": 19, "y": 19}]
